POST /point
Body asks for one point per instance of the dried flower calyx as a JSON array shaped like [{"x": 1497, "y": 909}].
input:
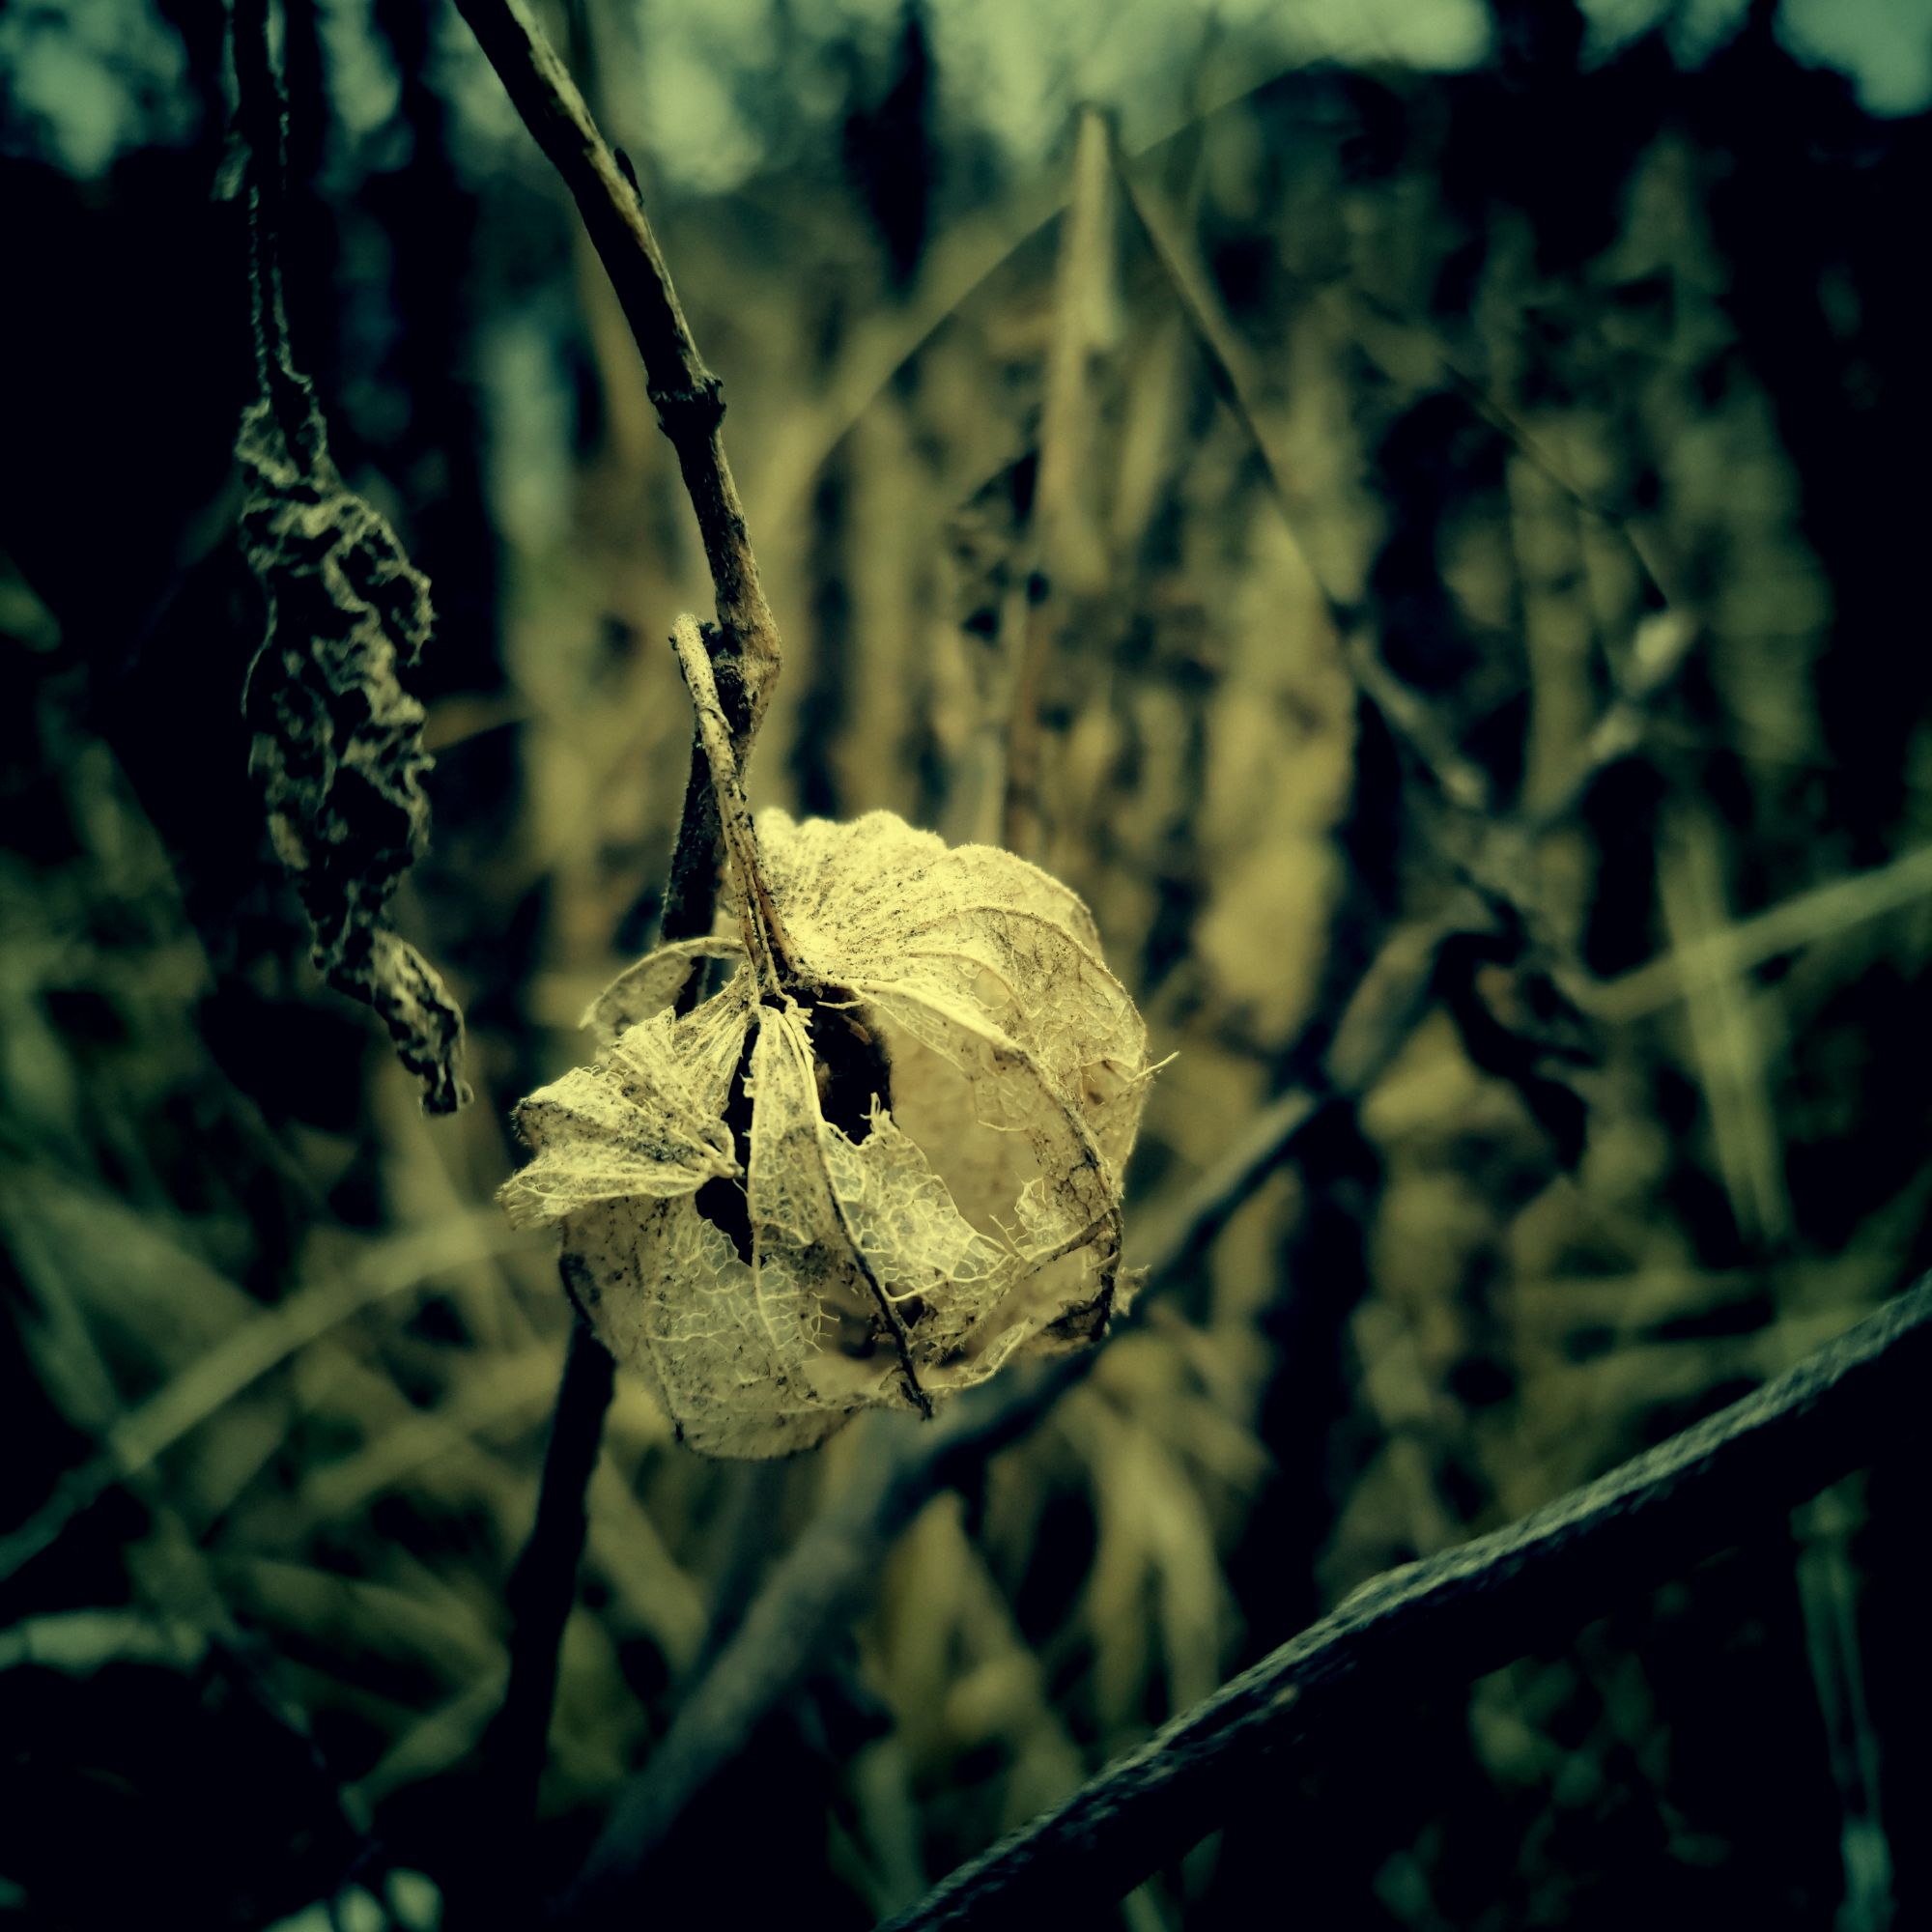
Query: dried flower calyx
[{"x": 884, "y": 1159}]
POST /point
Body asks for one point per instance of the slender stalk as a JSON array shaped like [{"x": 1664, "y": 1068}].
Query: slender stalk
[
  {"x": 742, "y": 654},
  {"x": 1457, "y": 1615},
  {"x": 690, "y": 402},
  {"x": 541, "y": 1590},
  {"x": 688, "y": 397},
  {"x": 1071, "y": 562},
  {"x": 772, "y": 955}
]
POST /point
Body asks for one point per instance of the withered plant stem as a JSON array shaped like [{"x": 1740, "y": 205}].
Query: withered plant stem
[
  {"x": 541, "y": 1590},
  {"x": 689, "y": 399},
  {"x": 743, "y": 655},
  {"x": 778, "y": 966},
  {"x": 689, "y": 403},
  {"x": 1230, "y": 368}
]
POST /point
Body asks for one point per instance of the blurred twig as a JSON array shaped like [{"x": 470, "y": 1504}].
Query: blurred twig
[
  {"x": 1828, "y": 1593},
  {"x": 1653, "y": 566},
  {"x": 133, "y": 1440},
  {"x": 185, "y": 1610},
  {"x": 1784, "y": 928},
  {"x": 960, "y": 264},
  {"x": 1069, "y": 557},
  {"x": 1490, "y": 856},
  {"x": 1459, "y": 780},
  {"x": 1460, "y": 1614}
]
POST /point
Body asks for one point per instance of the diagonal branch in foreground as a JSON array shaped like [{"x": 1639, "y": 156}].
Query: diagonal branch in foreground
[{"x": 1455, "y": 1616}]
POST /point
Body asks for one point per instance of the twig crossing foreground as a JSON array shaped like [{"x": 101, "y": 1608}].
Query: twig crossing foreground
[{"x": 1453, "y": 1617}]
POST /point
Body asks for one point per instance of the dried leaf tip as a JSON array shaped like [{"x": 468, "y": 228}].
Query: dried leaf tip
[{"x": 882, "y": 1161}]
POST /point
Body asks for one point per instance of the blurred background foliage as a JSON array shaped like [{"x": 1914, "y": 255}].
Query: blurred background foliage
[{"x": 1539, "y": 365}]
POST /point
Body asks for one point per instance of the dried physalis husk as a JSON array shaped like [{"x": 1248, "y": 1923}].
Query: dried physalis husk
[{"x": 883, "y": 1160}]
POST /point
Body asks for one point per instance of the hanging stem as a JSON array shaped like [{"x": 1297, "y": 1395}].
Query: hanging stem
[
  {"x": 263, "y": 117},
  {"x": 689, "y": 399},
  {"x": 778, "y": 965},
  {"x": 690, "y": 406}
]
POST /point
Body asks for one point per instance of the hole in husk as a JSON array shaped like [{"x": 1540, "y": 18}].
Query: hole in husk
[
  {"x": 849, "y": 1061},
  {"x": 723, "y": 1199}
]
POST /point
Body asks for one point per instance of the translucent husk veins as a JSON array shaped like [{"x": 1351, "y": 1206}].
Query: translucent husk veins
[{"x": 882, "y": 1161}]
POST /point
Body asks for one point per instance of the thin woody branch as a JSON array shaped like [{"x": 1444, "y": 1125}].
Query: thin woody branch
[
  {"x": 690, "y": 404},
  {"x": 745, "y": 653},
  {"x": 543, "y": 1586},
  {"x": 1437, "y": 1623},
  {"x": 689, "y": 399}
]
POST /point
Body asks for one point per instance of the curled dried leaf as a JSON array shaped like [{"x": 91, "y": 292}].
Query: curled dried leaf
[
  {"x": 883, "y": 1160},
  {"x": 338, "y": 741}
]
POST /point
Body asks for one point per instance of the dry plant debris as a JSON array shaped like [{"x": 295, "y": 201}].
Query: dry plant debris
[
  {"x": 881, "y": 1161},
  {"x": 338, "y": 741}
]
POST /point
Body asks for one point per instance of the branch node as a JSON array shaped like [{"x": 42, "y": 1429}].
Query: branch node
[{"x": 691, "y": 409}]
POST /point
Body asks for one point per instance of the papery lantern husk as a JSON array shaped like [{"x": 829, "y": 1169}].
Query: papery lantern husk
[{"x": 882, "y": 1161}]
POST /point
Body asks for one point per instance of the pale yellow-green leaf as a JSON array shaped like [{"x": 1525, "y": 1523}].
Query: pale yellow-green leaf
[{"x": 644, "y": 990}]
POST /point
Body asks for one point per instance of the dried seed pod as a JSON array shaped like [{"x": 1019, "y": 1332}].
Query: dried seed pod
[{"x": 881, "y": 1161}]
